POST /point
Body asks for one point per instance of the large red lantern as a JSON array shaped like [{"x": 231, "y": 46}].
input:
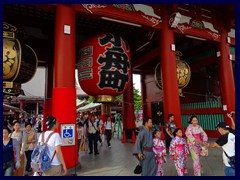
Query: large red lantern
[{"x": 104, "y": 66}]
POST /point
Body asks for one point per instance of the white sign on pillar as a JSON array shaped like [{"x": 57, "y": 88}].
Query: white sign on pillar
[
  {"x": 67, "y": 29},
  {"x": 68, "y": 134},
  {"x": 225, "y": 107}
]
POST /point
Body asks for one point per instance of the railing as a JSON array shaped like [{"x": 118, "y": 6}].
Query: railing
[
  {"x": 207, "y": 121},
  {"x": 208, "y": 114},
  {"x": 201, "y": 105}
]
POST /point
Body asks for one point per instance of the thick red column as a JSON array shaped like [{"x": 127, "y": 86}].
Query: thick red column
[
  {"x": 128, "y": 110},
  {"x": 64, "y": 91},
  {"x": 171, "y": 100},
  {"x": 144, "y": 96},
  {"x": 226, "y": 75},
  {"x": 21, "y": 105}
]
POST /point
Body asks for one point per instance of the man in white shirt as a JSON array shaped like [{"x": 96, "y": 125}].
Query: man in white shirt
[
  {"x": 58, "y": 166},
  {"x": 92, "y": 134},
  {"x": 227, "y": 142},
  {"x": 108, "y": 130}
]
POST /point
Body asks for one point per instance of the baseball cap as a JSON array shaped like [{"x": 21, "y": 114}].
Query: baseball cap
[{"x": 223, "y": 125}]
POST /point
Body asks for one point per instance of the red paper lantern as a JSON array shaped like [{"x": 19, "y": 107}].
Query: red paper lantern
[{"x": 104, "y": 66}]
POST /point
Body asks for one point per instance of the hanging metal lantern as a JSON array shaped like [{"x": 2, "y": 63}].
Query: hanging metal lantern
[
  {"x": 104, "y": 66},
  {"x": 183, "y": 74},
  {"x": 19, "y": 61}
]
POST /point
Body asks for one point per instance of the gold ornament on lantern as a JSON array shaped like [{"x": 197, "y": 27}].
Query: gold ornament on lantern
[
  {"x": 19, "y": 60},
  {"x": 183, "y": 74}
]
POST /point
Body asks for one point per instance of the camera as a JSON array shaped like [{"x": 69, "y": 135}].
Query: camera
[{"x": 229, "y": 115}]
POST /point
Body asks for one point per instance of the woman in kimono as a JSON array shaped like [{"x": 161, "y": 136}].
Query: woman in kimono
[
  {"x": 178, "y": 151},
  {"x": 159, "y": 149},
  {"x": 144, "y": 149},
  {"x": 196, "y": 137}
]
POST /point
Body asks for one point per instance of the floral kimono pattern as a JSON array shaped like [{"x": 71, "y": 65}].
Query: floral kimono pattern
[
  {"x": 160, "y": 152},
  {"x": 178, "y": 151},
  {"x": 192, "y": 133}
]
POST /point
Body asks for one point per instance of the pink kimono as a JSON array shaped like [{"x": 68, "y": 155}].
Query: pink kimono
[
  {"x": 178, "y": 151},
  {"x": 160, "y": 152},
  {"x": 192, "y": 133}
]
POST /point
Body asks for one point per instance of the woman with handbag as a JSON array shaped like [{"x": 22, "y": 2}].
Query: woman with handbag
[{"x": 196, "y": 137}]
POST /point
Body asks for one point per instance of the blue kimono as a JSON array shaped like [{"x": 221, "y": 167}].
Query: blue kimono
[{"x": 144, "y": 145}]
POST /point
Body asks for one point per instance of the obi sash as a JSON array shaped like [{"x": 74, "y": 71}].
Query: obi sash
[
  {"x": 159, "y": 148},
  {"x": 197, "y": 136},
  {"x": 179, "y": 147}
]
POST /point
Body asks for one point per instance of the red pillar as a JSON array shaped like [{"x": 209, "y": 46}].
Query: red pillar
[
  {"x": 104, "y": 112},
  {"x": 128, "y": 110},
  {"x": 21, "y": 105},
  {"x": 144, "y": 96},
  {"x": 226, "y": 75},
  {"x": 64, "y": 91},
  {"x": 169, "y": 73}
]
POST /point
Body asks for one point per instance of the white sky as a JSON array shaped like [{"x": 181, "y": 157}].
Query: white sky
[
  {"x": 36, "y": 86},
  {"x": 136, "y": 82}
]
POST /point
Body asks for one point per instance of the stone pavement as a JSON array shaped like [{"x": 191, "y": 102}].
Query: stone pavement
[{"x": 118, "y": 161}]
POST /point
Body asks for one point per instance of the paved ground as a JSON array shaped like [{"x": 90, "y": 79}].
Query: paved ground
[{"x": 118, "y": 161}]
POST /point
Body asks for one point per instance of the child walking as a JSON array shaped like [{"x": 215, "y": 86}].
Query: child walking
[
  {"x": 159, "y": 149},
  {"x": 178, "y": 151}
]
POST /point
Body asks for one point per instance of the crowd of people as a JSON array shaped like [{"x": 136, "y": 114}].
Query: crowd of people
[
  {"x": 18, "y": 144},
  {"x": 151, "y": 151}
]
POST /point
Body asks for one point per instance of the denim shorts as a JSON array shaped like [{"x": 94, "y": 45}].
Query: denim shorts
[{"x": 229, "y": 171}]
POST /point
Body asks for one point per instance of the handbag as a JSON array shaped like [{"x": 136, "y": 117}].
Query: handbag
[
  {"x": 204, "y": 151},
  {"x": 83, "y": 146},
  {"x": 97, "y": 134},
  {"x": 138, "y": 169},
  {"x": 231, "y": 160}
]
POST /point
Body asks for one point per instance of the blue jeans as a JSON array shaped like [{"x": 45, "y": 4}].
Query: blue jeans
[
  {"x": 8, "y": 168},
  {"x": 229, "y": 171}
]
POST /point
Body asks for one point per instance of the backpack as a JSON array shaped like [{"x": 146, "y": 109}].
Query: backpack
[{"x": 40, "y": 161}]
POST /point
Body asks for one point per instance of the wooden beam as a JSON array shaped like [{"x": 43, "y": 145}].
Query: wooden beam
[
  {"x": 146, "y": 58},
  {"x": 205, "y": 62}
]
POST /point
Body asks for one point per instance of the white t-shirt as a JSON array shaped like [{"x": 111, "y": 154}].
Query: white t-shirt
[
  {"x": 108, "y": 125},
  {"x": 227, "y": 141},
  {"x": 54, "y": 141}
]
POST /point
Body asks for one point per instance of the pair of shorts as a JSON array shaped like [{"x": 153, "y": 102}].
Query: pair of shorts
[{"x": 54, "y": 171}]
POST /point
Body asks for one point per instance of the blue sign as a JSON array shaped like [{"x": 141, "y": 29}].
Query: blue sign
[{"x": 67, "y": 133}]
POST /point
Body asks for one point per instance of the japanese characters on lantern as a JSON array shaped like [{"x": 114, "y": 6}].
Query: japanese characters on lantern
[{"x": 104, "y": 66}]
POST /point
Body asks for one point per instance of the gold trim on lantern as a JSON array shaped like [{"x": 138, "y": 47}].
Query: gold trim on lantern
[
  {"x": 12, "y": 85},
  {"x": 104, "y": 98},
  {"x": 180, "y": 93},
  {"x": 158, "y": 80},
  {"x": 7, "y": 34},
  {"x": 9, "y": 30}
]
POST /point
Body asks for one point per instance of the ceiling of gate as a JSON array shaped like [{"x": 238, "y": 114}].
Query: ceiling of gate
[{"x": 39, "y": 23}]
